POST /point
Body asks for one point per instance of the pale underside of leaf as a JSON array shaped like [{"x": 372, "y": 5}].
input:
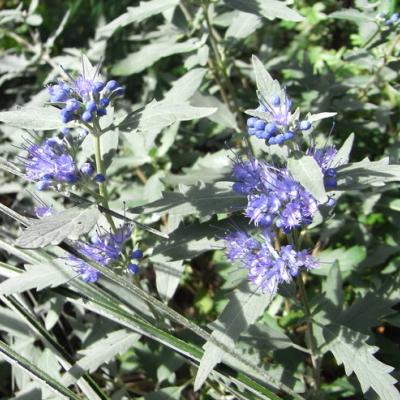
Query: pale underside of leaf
[
  {"x": 38, "y": 276},
  {"x": 350, "y": 349},
  {"x": 99, "y": 353},
  {"x": 54, "y": 229},
  {"x": 309, "y": 174}
]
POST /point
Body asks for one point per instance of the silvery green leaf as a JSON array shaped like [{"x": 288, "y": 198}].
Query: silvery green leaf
[
  {"x": 333, "y": 285},
  {"x": 38, "y": 276},
  {"x": 210, "y": 168},
  {"x": 244, "y": 307},
  {"x": 89, "y": 70},
  {"x": 267, "y": 86},
  {"x": 12, "y": 63},
  {"x": 309, "y": 174},
  {"x": 270, "y": 9},
  {"x": 168, "y": 275},
  {"x": 151, "y": 53},
  {"x": 189, "y": 241},
  {"x": 351, "y": 14},
  {"x": 42, "y": 378},
  {"x": 267, "y": 337},
  {"x": 343, "y": 154},
  {"x": 185, "y": 87},
  {"x": 223, "y": 116},
  {"x": 202, "y": 199},
  {"x": 243, "y": 25},
  {"x": 40, "y": 119},
  {"x": 168, "y": 139},
  {"x": 364, "y": 174},
  {"x": 350, "y": 349},
  {"x": 54, "y": 229},
  {"x": 318, "y": 117},
  {"x": 367, "y": 311},
  {"x": 12, "y": 323},
  {"x": 99, "y": 353},
  {"x": 135, "y": 14},
  {"x": 34, "y": 20},
  {"x": 160, "y": 114},
  {"x": 348, "y": 260}
]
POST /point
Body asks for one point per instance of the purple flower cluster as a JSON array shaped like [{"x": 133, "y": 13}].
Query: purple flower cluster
[
  {"x": 275, "y": 125},
  {"x": 274, "y": 196},
  {"x": 49, "y": 163},
  {"x": 325, "y": 159},
  {"x": 267, "y": 267},
  {"x": 84, "y": 98},
  {"x": 104, "y": 249}
]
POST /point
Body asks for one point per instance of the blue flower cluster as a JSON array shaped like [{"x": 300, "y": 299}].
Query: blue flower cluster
[
  {"x": 104, "y": 249},
  {"x": 274, "y": 196},
  {"x": 267, "y": 267},
  {"x": 49, "y": 163},
  {"x": 83, "y": 98},
  {"x": 275, "y": 124},
  {"x": 275, "y": 200}
]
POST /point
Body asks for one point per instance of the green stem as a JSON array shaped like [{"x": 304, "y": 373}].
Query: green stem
[
  {"x": 100, "y": 170},
  {"x": 295, "y": 239},
  {"x": 310, "y": 340}
]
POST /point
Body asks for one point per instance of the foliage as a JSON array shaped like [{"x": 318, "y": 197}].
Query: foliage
[{"x": 222, "y": 222}]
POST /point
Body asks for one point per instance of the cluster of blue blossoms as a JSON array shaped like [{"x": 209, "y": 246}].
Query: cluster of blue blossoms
[
  {"x": 50, "y": 163},
  {"x": 52, "y": 166},
  {"x": 103, "y": 249},
  {"x": 276, "y": 125},
  {"x": 82, "y": 98},
  {"x": 275, "y": 200},
  {"x": 267, "y": 267}
]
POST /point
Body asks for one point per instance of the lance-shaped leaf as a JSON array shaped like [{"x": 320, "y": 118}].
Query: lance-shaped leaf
[
  {"x": 38, "y": 276},
  {"x": 266, "y": 85},
  {"x": 185, "y": 87},
  {"x": 37, "y": 118},
  {"x": 135, "y": 14},
  {"x": 202, "y": 199},
  {"x": 99, "y": 353},
  {"x": 320, "y": 116},
  {"x": 306, "y": 170},
  {"x": 366, "y": 173},
  {"x": 350, "y": 349},
  {"x": 54, "y": 229},
  {"x": 151, "y": 53},
  {"x": 343, "y": 154},
  {"x": 160, "y": 114},
  {"x": 270, "y": 9},
  {"x": 42, "y": 378},
  {"x": 244, "y": 307}
]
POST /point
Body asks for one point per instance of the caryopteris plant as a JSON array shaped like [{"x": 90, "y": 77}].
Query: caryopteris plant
[{"x": 170, "y": 249}]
